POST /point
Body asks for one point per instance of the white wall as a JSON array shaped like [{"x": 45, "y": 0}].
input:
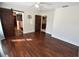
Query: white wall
[
  {"x": 29, "y": 24},
  {"x": 49, "y": 22},
  {"x": 66, "y": 24}
]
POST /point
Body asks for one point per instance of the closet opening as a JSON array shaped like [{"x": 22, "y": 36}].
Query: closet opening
[{"x": 18, "y": 22}]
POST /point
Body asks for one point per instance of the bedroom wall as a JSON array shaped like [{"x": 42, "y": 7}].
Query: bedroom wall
[{"x": 66, "y": 24}]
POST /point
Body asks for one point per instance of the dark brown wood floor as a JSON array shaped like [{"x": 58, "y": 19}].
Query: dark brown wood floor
[{"x": 36, "y": 45}]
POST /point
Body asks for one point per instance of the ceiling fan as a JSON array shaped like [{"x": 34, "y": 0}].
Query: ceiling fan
[
  {"x": 37, "y": 5},
  {"x": 40, "y": 4}
]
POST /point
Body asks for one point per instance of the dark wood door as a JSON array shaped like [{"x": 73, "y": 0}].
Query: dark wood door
[
  {"x": 7, "y": 22},
  {"x": 37, "y": 23}
]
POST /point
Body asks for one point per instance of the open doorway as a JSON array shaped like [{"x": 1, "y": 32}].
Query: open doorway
[
  {"x": 18, "y": 23},
  {"x": 43, "y": 23}
]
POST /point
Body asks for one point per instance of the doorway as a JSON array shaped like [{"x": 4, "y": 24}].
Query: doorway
[
  {"x": 18, "y": 23},
  {"x": 43, "y": 23},
  {"x": 40, "y": 23}
]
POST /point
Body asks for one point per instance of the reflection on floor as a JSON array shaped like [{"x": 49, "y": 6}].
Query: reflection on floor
[{"x": 37, "y": 44}]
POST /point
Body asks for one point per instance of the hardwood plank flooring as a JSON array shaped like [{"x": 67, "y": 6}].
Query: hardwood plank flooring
[{"x": 38, "y": 44}]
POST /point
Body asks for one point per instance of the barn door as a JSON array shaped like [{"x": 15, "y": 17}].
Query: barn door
[{"x": 7, "y": 22}]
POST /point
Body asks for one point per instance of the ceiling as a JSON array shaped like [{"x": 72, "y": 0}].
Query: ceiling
[{"x": 43, "y": 5}]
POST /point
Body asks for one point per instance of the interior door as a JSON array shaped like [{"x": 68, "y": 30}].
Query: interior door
[
  {"x": 37, "y": 23},
  {"x": 7, "y": 22}
]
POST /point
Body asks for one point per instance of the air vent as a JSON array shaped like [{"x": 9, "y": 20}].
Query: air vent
[{"x": 65, "y": 6}]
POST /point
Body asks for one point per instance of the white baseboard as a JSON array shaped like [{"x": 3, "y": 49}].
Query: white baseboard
[
  {"x": 65, "y": 40},
  {"x": 28, "y": 32},
  {"x": 43, "y": 30}
]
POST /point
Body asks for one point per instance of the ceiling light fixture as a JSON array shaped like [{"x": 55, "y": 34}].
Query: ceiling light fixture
[{"x": 36, "y": 5}]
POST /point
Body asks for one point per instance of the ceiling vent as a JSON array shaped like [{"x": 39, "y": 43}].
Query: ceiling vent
[{"x": 65, "y": 6}]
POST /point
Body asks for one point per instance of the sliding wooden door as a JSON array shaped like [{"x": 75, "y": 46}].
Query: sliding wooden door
[{"x": 7, "y": 21}]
